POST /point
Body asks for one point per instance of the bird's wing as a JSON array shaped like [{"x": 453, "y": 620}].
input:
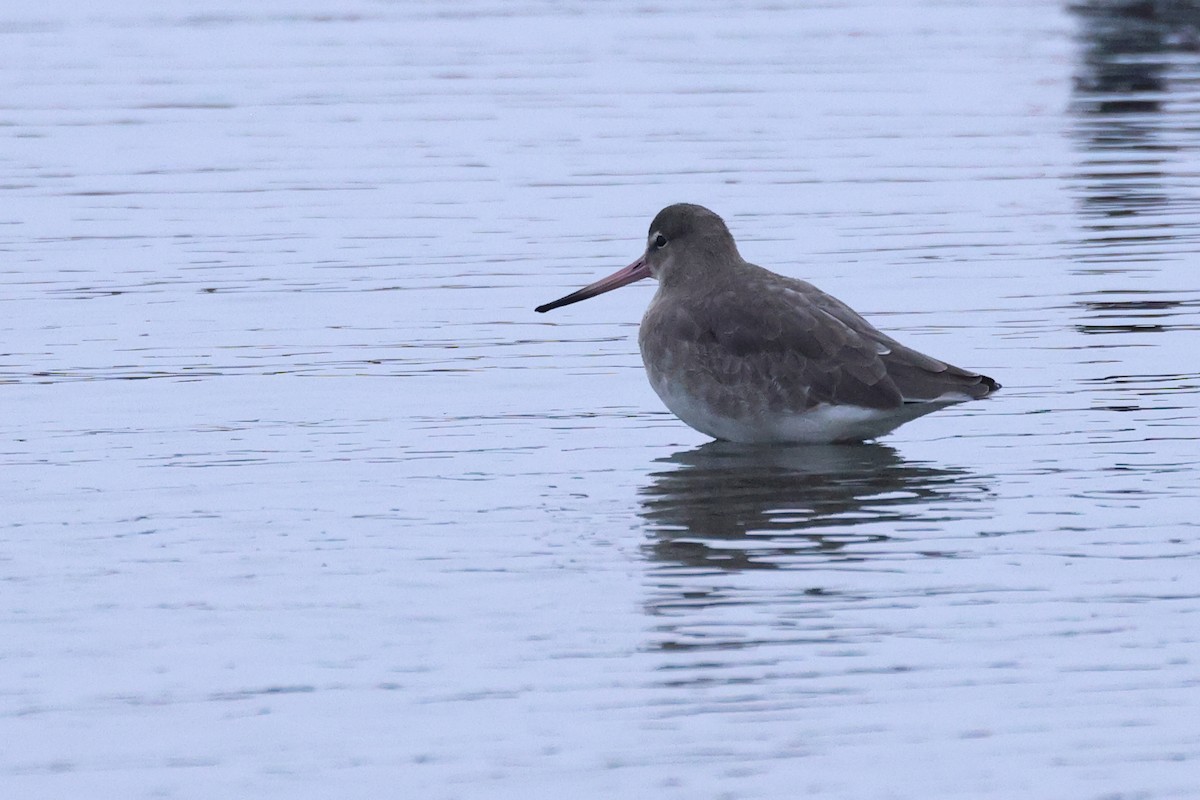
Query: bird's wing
[
  {"x": 918, "y": 377},
  {"x": 797, "y": 347}
]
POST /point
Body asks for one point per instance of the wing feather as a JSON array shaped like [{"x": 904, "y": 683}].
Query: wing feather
[{"x": 794, "y": 348}]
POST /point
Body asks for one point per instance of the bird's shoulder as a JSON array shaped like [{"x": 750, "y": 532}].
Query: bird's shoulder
[
  {"x": 762, "y": 311},
  {"x": 785, "y": 328}
]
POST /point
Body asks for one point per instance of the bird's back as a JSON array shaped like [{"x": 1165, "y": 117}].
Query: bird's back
[{"x": 752, "y": 348}]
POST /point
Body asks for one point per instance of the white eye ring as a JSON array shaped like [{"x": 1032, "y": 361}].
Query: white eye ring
[{"x": 660, "y": 241}]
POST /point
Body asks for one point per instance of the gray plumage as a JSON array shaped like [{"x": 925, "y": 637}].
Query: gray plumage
[{"x": 726, "y": 341}]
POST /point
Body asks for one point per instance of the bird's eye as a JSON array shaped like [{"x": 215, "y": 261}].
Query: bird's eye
[{"x": 660, "y": 241}]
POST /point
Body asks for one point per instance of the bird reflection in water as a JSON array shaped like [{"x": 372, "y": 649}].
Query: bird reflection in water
[
  {"x": 1133, "y": 124},
  {"x": 1135, "y": 120},
  {"x": 1134, "y": 72},
  {"x": 726, "y": 507},
  {"x": 736, "y": 530}
]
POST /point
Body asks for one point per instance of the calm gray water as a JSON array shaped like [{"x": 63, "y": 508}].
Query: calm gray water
[{"x": 300, "y": 499}]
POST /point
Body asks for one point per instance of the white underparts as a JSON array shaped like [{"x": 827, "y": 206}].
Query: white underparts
[{"x": 822, "y": 424}]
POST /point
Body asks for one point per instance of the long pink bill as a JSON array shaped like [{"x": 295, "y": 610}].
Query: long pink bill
[{"x": 634, "y": 272}]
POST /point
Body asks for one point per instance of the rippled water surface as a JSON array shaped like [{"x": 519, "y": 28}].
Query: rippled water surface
[{"x": 300, "y": 498}]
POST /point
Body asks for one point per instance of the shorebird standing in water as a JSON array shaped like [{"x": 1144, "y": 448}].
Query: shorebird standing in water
[{"x": 742, "y": 354}]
